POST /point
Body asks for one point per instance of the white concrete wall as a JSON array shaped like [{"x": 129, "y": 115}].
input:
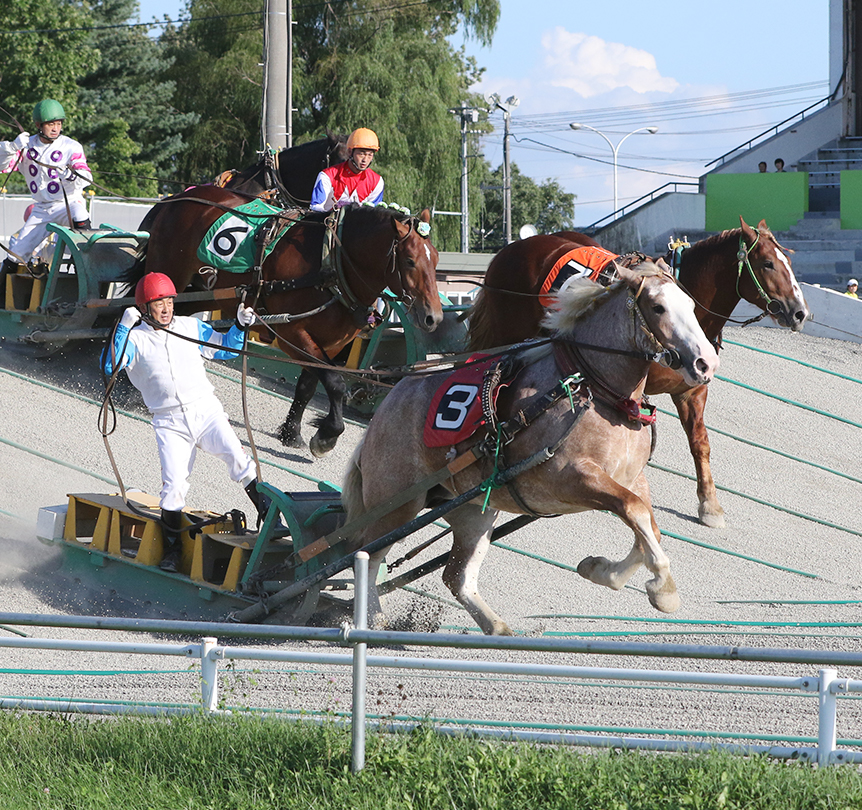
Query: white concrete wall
[
  {"x": 833, "y": 314},
  {"x": 124, "y": 215}
]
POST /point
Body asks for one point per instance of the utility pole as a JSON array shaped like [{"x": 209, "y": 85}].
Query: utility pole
[
  {"x": 506, "y": 106},
  {"x": 468, "y": 116},
  {"x": 276, "y": 99},
  {"x": 289, "y": 109}
]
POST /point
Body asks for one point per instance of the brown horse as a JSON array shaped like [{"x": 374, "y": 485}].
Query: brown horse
[
  {"x": 716, "y": 272},
  {"x": 589, "y": 449},
  {"x": 375, "y": 248}
]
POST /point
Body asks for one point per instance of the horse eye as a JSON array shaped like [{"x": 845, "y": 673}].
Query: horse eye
[
  {"x": 659, "y": 309},
  {"x": 768, "y": 265},
  {"x": 411, "y": 263}
]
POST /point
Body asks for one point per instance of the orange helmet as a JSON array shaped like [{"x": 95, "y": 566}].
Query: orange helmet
[
  {"x": 152, "y": 287},
  {"x": 363, "y": 138}
]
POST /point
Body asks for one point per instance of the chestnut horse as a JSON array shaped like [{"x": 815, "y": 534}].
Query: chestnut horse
[
  {"x": 716, "y": 272},
  {"x": 589, "y": 454},
  {"x": 374, "y": 249}
]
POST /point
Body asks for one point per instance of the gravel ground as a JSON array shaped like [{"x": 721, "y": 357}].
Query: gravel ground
[{"x": 783, "y": 517}]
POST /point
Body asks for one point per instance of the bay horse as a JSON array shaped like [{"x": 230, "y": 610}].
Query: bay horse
[
  {"x": 742, "y": 263},
  {"x": 375, "y": 248},
  {"x": 596, "y": 452}
]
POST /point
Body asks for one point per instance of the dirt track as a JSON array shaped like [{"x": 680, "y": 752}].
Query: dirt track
[{"x": 802, "y": 518}]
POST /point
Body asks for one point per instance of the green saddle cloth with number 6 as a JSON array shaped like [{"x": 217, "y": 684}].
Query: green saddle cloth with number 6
[{"x": 232, "y": 243}]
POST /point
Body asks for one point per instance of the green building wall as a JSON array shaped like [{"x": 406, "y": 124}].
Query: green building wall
[{"x": 779, "y": 198}]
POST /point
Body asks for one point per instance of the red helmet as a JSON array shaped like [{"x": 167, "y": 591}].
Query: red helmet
[{"x": 152, "y": 287}]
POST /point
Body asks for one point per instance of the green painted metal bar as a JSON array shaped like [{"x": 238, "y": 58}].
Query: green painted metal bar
[
  {"x": 692, "y": 622},
  {"x": 768, "y": 449},
  {"x": 793, "y": 402},
  {"x": 761, "y": 501},
  {"x": 793, "y": 360}
]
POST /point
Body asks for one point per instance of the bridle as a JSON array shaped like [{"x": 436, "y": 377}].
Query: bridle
[
  {"x": 392, "y": 269},
  {"x": 743, "y": 260}
]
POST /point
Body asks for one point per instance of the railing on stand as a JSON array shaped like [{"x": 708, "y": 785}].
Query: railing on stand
[{"x": 667, "y": 188}]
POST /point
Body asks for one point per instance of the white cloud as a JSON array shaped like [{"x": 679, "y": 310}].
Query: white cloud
[{"x": 590, "y": 66}]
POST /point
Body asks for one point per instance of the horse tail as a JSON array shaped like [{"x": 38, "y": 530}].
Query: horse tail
[
  {"x": 351, "y": 493},
  {"x": 480, "y": 335}
]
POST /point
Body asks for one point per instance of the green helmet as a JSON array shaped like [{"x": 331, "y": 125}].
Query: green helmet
[{"x": 48, "y": 110}]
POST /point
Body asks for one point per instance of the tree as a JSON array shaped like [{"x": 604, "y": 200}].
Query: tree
[
  {"x": 217, "y": 71},
  {"x": 544, "y": 205},
  {"x": 126, "y": 106},
  {"x": 43, "y": 53},
  {"x": 356, "y": 63}
]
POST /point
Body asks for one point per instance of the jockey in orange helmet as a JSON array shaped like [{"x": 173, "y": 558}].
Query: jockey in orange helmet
[{"x": 351, "y": 181}]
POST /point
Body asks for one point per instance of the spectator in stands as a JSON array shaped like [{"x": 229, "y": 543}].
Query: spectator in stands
[
  {"x": 852, "y": 286},
  {"x": 761, "y": 167},
  {"x": 779, "y": 165}
]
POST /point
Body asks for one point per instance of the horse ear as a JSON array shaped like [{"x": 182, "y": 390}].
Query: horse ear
[
  {"x": 425, "y": 216},
  {"x": 401, "y": 228},
  {"x": 762, "y": 226},
  {"x": 623, "y": 273},
  {"x": 746, "y": 228}
]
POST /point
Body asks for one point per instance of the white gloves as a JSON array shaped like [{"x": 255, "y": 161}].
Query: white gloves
[
  {"x": 130, "y": 317},
  {"x": 245, "y": 316},
  {"x": 22, "y": 140}
]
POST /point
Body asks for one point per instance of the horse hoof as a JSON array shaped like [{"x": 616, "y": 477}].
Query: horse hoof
[
  {"x": 290, "y": 438},
  {"x": 666, "y": 598},
  {"x": 320, "y": 447},
  {"x": 587, "y": 566},
  {"x": 714, "y": 518}
]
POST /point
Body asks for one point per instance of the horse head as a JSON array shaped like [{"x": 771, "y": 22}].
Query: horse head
[
  {"x": 668, "y": 326},
  {"x": 336, "y": 150},
  {"x": 415, "y": 260},
  {"x": 766, "y": 279}
]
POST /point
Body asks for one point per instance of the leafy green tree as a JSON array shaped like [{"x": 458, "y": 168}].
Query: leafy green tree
[
  {"x": 43, "y": 53},
  {"x": 544, "y": 205},
  {"x": 218, "y": 75},
  {"x": 127, "y": 108},
  {"x": 356, "y": 63}
]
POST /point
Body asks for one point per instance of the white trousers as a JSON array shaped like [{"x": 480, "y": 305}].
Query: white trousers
[
  {"x": 35, "y": 229},
  {"x": 179, "y": 434}
]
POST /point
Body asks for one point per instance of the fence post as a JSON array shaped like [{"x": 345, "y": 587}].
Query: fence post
[
  {"x": 209, "y": 674},
  {"x": 360, "y": 621},
  {"x": 827, "y": 705}
]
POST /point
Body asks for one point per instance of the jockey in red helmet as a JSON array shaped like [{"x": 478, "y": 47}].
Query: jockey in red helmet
[{"x": 163, "y": 356}]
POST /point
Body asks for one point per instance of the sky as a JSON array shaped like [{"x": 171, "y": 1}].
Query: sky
[{"x": 709, "y": 75}]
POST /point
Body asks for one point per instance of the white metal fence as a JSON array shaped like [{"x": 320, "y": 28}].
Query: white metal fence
[{"x": 823, "y": 681}]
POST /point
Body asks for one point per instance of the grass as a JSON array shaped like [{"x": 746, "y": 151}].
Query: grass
[{"x": 192, "y": 763}]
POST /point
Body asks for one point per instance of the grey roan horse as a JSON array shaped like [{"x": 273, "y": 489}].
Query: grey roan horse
[{"x": 596, "y": 436}]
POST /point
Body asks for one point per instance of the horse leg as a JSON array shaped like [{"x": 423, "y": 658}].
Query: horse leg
[
  {"x": 471, "y": 533},
  {"x": 690, "y": 406},
  {"x": 331, "y": 426},
  {"x": 633, "y": 507},
  {"x": 290, "y": 433}
]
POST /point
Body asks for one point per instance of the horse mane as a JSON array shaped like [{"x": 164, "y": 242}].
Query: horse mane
[
  {"x": 579, "y": 298},
  {"x": 583, "y": 297}
]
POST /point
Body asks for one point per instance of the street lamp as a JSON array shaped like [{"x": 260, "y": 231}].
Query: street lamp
[
  {"x": 506, "y": 106},
  {"x": 614, "y": 149}
]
